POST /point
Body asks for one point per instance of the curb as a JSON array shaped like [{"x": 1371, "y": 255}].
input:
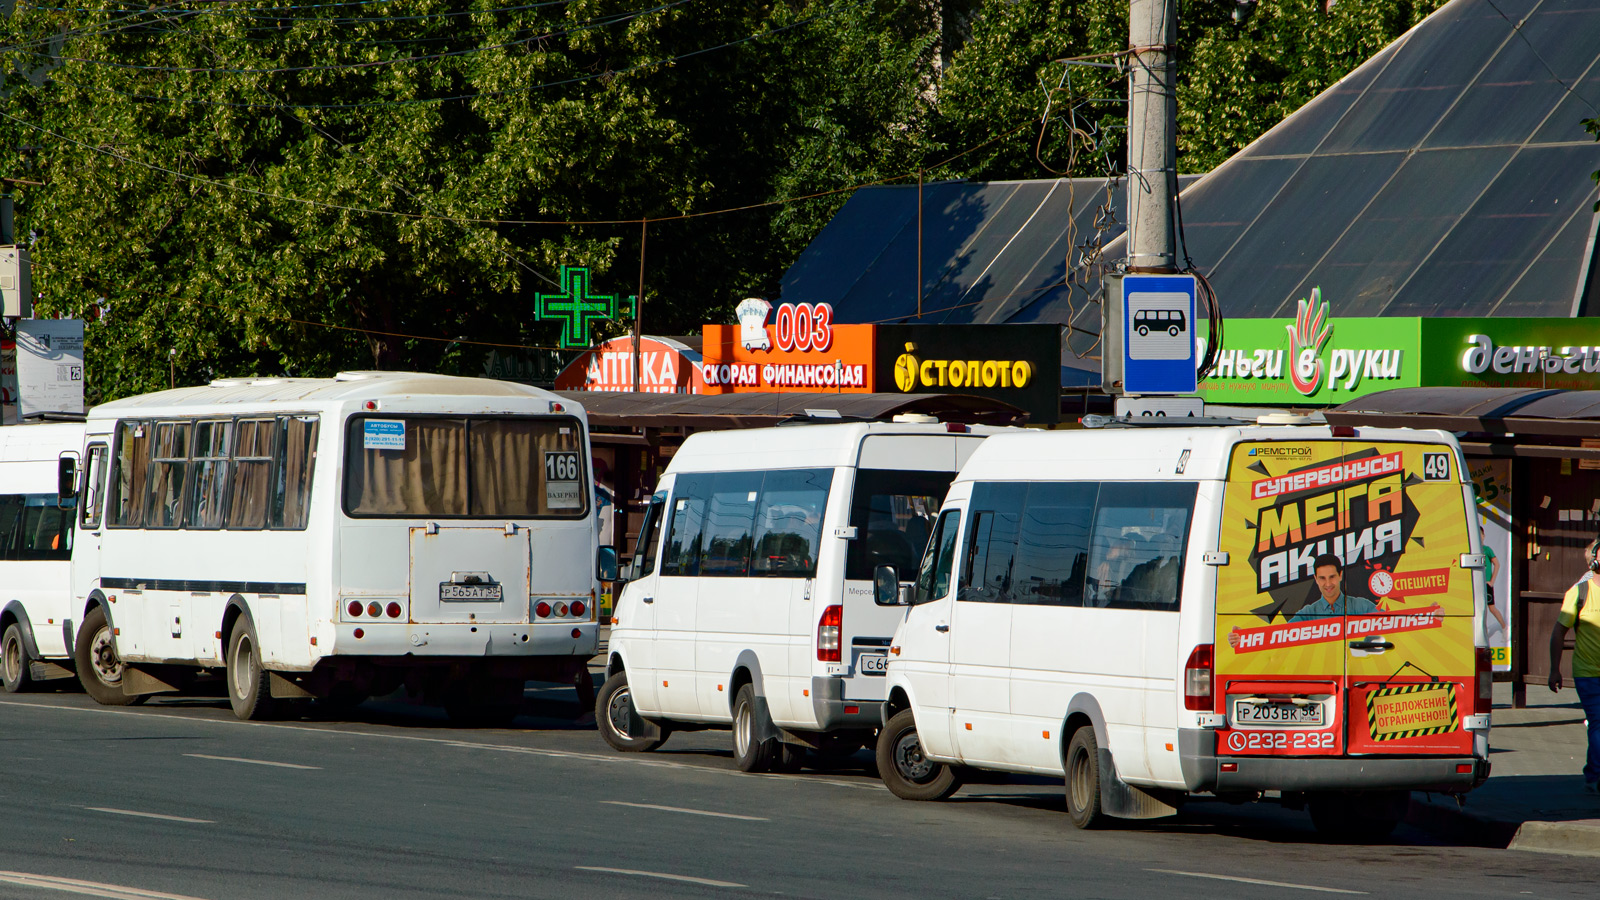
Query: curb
[{"x": 1558, "y": 837}]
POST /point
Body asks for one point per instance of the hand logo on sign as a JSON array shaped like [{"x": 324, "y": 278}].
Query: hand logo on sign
[{"x": 1308, "y": 334}]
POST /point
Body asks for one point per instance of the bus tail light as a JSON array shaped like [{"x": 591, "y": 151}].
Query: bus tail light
[
  {"x": 542, "y": 610},
  {"x": 374, "y": 609},
  {"x": 578, "y": 608},
  {"x": 393, "y": 610},
  {"x": 561, "y": 609},
  {"x": 828, "y": 630},
  {"x": 354, "y": 608},
  {"x": 1483, "y": 674},
  {"x": 1197, "y": 679}
]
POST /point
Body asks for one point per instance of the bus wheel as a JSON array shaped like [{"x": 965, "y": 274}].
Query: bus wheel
[
  {"x": 749, "y": 754},
  {"x": 906, "y": 771},
  {"x": 14, "y": 661},
  {"x": 615, "y": 709},
  {"x": 99, "y": 668},
  {"x": 1358, "y": 818},
  {"x": 249, "y": 685},
  {"x": 1083, "y": 780}
]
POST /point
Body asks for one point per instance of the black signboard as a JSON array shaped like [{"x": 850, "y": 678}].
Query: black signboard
[{"x": 1020, "y": 364}]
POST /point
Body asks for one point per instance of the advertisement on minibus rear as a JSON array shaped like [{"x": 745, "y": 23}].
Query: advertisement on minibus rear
[{"x": 1344, "y": 617}]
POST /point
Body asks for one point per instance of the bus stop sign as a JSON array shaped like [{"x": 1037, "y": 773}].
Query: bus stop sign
[{"x": 1158, "y": 334}]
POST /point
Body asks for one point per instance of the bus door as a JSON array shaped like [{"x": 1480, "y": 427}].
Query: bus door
[{"x": 1344, "y": 619}]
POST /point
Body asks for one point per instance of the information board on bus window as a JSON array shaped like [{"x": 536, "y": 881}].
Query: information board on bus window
[
  {"x": 1344, "y": 574},
  {"x": 563, "y": 480},
  {"x": 383, "y": 434}
]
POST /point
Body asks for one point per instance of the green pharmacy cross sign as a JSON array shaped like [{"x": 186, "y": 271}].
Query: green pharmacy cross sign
[{"x": 576, "y": 307}]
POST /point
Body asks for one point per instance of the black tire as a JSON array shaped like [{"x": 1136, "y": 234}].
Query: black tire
[
  {"x": 249, "y": 685},
  {"x": 905, "y": 770},
  {"x": 1083, "y": 780},
  {"x": 1358, "y": 818},
  {"x": 749, "y": 754},
  {"x": 99, "y": 667},
  {"x": 14, "y": 660},
  {"x": 492, "y": 703},
  {"x": 614, "y": 708}
]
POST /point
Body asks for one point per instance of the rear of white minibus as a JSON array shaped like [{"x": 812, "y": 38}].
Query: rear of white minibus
[
  {"x": 1349, "y": 664},
  {"x": 467, "y": 545}
]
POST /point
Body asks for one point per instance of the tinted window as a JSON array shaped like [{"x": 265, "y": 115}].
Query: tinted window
[
  {"x": 789, "y": 522},
  {"x": 1137, "y": 546},
  {"x": 893, "y": 513},
  {"x": 991, "y": 550},
  {"x": 933, "y": 575},
  {"x": 1053, "y": 547},
  {"x": 689, "y": 496},
  {"x": 730, "y": 520},
  {"x": 33, "y": 527},
  {"x": 649, "y": 535}
]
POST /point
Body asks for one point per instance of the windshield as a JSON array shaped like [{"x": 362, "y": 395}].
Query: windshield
[{"x": 465, "y": 467}]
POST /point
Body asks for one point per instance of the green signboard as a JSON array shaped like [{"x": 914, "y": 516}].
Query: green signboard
[{"x": 1318, "y": 360}]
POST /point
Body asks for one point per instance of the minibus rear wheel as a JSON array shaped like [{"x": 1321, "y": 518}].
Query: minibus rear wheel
[
  {"x": 14, "y": 660},
  {"x": 99, "y": 667},
  {"x": 749, "y": 754},
  {"x": 1083, "y": 779},
  {"x": 905, "y": 769},
  {"x": 614, "y": 708}
]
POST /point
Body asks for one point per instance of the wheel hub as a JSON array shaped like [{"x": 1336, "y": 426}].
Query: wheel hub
[
  {"x": 620, "y": 712},
  {"x": 103, "y": 653},
  {"x": 914, "y": 766}
]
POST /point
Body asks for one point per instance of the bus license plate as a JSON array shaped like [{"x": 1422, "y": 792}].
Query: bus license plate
[
  {"x": 1247, "y": 713},
  {"x": 450, "y": 592},
  {"x": 872, "y": 663}
]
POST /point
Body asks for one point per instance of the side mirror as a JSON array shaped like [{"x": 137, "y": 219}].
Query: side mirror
[
  {"x": 886, "y": 587},
  {"x": 608, "y": 564},
  {"x": 66, "y": 481}
]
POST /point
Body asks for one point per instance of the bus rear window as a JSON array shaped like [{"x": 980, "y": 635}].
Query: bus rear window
[{"x": 465, "y": 467}]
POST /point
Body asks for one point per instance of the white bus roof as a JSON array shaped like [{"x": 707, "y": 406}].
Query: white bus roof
[
  {"x": 346, "y": 387},
  {"x": 1143, "y": 453},
  {"x": 798, "y": 446},
  {"x": 43, "y": 441}
]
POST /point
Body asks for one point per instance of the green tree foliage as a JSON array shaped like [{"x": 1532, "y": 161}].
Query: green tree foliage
[{"x": 216, "y": 176}]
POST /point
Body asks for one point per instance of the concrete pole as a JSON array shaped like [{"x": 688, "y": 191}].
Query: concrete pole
[{"x": 1152, "y": 135}]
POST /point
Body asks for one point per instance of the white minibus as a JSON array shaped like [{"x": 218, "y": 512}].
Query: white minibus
[
  {"x": 35, "y": 556},
  {"x": 337, "y": 538},
  {"x": 750, "y": 597},
  {"x": 1154, "y": 612}
]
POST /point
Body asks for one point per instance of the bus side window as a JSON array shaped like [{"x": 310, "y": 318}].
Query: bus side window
[
  {"x": 933, "y": 577},
  {"x": 130, "y": 470},
  {"x": 296, "y": 460},
  {"x": 169, "y": 465},
  {"x": 92, "y": 489}
]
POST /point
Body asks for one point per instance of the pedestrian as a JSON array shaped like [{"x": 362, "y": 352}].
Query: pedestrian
[
  {"x": 1580, "y": 609},
  {"x": 1491, "y": 569}
]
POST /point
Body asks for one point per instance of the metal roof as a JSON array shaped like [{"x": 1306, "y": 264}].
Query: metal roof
[{"x": 1493, "y": 411}]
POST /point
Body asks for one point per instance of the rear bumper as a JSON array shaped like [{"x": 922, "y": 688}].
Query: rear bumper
[
  {"x": 482, "y": 641},
  {"x": 1202, "y": 770},
  {"x": 833, "y": 711}
]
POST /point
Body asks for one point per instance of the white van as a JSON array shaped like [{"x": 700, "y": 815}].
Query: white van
[
  {"x": 750, "y": 598},
  {"x": 1162, "y": 611},
  {"x": 35, "y": 556}
]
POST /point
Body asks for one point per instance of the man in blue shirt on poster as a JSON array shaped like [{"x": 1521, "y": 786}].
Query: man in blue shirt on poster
[{"x": 1329, "y": 573}]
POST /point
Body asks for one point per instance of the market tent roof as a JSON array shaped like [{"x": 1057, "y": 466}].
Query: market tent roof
[
  {"x": 626, "y": 409},
  {"x": 1449, "y": 175},
  {"x": 1487, "y": 411}
]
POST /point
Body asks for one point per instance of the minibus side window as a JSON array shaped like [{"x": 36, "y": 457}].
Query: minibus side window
[
  {"x": 730, "y": 519},
  {"x": 689, "y": 496},
  {"x": 44, "y": 530},
  {"x": 10, "y": 523},
  {"x": 992, "y": 548},
  {"x": 789, "y": 522},
  {"x": 893, "y": 514},
  {"x": 1137, "y": 545},
  {"x": 130, "y": 471},
  {"x": 1053, "y": 547},
  {"x": 169, "y": 464},
  {"x": 649, "y": 533},
  {"x": 933, "y": 577}
]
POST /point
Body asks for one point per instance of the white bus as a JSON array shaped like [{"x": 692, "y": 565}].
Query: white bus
[
  {"x": 750, "y": 601},
  {"x": 35, "y": 556},
  {"x": 1159, "y": 612},
  {"x": 337, "y": 538}
]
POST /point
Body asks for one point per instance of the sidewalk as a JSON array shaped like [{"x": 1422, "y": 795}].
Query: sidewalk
[{"x": 1533, "y": 799}]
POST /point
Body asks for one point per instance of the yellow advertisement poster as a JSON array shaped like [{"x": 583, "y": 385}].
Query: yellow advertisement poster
[
  {"x": 1344, "y": 561},
  {"x": 1411, "y": 710}
]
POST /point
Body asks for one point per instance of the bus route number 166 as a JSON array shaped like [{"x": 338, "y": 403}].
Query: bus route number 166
[{"x": 1280, "y": 740}]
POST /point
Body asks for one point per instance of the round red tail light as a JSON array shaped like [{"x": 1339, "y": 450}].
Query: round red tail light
[
  {"x": 374, "y": 609},
  {"x": 542, "y": 610},
  {"x": 354, "y": 607},
  {"x": 578, "y": 608},
  {"x": 393, "y": 610},
  {"x": 360, "y": 634},
  {"x": 577, "y": 633}
]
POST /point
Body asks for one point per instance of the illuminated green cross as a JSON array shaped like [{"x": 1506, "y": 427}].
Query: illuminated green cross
[{"x": 576, "y": 308}]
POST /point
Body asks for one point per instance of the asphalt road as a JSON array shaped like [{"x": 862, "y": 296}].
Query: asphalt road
[{"x": 178, "y": 798}]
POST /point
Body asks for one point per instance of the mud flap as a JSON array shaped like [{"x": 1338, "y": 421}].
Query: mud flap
[
  {"x": 763, "y": 729},
  {"x": 40, "y": 670},
  {"x": 640, "y": 727},
  {"x": 284, "y": 689},
  {"x": 1123, "y": 800},
  {"x": 137, "y": 682}
]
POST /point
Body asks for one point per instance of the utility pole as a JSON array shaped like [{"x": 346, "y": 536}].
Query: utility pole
[{"x": 1152, "y": 135}]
